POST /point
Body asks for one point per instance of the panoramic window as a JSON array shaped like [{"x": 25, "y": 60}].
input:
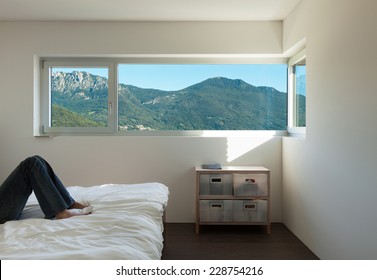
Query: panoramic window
[
  {"x": 297, "y": 91},
  {"x": 103, "y": 97}
]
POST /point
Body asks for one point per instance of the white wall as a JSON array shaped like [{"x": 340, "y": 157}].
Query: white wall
[
  {"x": 93, "y": 160},
  {"x": 330, "y": 178}
]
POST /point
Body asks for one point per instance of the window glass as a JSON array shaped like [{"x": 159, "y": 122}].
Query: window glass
[
  {"x": 300, "y": 89},
  {"x": 202, "y": 97},
  {"x": 79, "y": 97},
  {"x": 297, "y": 94}
]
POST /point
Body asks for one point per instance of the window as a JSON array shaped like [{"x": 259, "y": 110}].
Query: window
[
  {"x": 297, "y": 93},
  {"x": 77, "y": 97},
  {"x": 98, "y": 96}
]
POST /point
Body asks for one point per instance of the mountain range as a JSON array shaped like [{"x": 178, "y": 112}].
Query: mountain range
[{"x": 80, "y": 99}]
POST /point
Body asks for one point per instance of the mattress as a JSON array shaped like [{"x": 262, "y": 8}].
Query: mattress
[{"x": 126, "y": 223}]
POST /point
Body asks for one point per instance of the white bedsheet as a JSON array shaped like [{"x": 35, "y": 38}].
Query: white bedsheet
[{"x": 126, "y": 223}]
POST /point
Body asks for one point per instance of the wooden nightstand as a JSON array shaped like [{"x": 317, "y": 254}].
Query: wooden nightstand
[{"x": 233, "y": 195}]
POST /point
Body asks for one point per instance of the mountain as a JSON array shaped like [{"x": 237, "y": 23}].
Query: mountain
[
  {"x": 213, "y": 104},
  {"x": 80, "y": 93}
]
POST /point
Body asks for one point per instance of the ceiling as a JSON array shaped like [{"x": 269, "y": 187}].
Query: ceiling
[{"x": 145, "y": 10}]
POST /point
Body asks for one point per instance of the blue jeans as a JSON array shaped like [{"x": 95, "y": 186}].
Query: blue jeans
[{"x": 33, "y": 174}]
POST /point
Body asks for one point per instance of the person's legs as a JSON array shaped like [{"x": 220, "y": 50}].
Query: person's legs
[
  {"x": 57, "y": 183},
  {"x": 35, "y": 174},
  {"x": 52, "y": 196}
]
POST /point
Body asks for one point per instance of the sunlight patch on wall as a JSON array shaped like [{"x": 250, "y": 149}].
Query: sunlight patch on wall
[{"x": 239, "y": 146}]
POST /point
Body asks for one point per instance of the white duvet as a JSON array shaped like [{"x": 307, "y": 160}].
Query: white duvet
[{"x": 126, "y": 223}]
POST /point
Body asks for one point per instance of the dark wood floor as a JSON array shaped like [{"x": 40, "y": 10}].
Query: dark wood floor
[{"x": 232, "y": 243}]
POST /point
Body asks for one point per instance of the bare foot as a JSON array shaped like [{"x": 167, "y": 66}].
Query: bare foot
[{"x": 77, "y": 205}]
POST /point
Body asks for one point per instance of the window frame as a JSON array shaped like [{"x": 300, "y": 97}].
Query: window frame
[
  {"x": 45, "y": 126},
  {"x": 292, "y": 128},
  {"x": 44, "y": 129}
]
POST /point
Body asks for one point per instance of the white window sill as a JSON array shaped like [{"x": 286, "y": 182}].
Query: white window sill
[{"x": 299, "y": 132}]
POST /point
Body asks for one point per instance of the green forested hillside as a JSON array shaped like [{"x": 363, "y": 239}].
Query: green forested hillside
[{"x": 62, "y": 117}]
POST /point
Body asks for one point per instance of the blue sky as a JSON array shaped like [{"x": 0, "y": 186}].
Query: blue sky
[
  {"x": 179, "y": 76},
  {"x": 175, "y": 77}
]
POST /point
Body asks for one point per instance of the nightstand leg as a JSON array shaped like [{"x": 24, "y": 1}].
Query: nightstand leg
[{"x": 268, "y": 229}]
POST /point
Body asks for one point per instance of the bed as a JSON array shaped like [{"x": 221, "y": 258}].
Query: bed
[{"x": 126, "y": 223}]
